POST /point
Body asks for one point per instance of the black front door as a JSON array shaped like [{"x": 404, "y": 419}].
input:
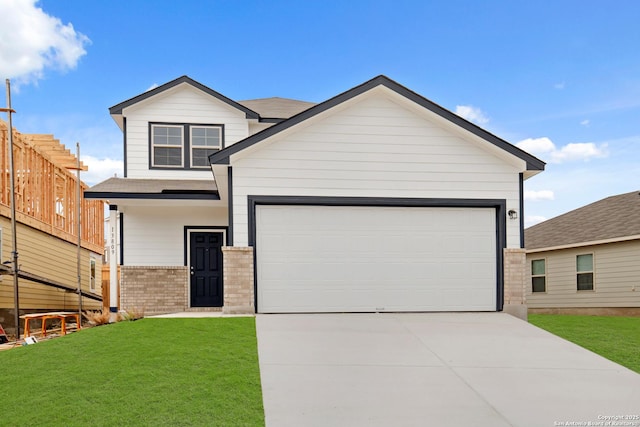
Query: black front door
[{"x": 206, "y": 269}]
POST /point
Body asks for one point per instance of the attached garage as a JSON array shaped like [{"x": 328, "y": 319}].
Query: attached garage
[{"x": 363, "y": 258}]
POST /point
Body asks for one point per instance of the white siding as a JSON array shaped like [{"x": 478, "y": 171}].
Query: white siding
[
  {"x": 616, "y": 277},
  {"x": 373, "y": 148},
  {"x": 155, "y": 237},
  {"x": 182, "y": 104}
]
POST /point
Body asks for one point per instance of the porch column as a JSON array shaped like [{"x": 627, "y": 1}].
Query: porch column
[
  {"x": 515, "y": 282},
  {"x": 238, "y": 280},
  {"x": 113, "y": 262}
]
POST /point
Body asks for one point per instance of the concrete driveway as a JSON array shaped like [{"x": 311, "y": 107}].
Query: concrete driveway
[{"x": 434, "y": 369}]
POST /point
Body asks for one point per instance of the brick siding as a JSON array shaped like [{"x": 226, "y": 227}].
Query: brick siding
[
  {"x": 238, "y": 280},
  {"x": 156, "y": 290}
]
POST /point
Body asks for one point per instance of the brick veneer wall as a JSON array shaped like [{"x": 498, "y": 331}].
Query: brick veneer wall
[
  {"x": 157, "y": 290},
  {"x": 515, "y": 282},
  {"x": 238, "y": 280}
]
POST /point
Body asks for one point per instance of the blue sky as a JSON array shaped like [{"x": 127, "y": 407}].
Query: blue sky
[{"x": 561, "y": 79}]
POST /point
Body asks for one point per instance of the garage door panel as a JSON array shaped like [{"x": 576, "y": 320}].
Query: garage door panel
[{"x": 339, "y": 258}]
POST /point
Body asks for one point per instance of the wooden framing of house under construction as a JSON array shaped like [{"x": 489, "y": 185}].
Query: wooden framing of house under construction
[{"x": 47, "y": 202}]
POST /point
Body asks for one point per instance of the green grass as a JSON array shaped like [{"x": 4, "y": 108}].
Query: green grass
[
  {"x": 616, "y": 338},
  {"x": 152, "y": 372}
]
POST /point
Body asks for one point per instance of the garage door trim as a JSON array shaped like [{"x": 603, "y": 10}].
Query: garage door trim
[{"x": 498, "y": 204}]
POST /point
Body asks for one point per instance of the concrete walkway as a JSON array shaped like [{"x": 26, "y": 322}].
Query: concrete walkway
[{"x": 434, "y": 369}]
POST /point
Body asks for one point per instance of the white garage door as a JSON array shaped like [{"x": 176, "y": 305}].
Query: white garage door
[{"x": 363, "y": 259}]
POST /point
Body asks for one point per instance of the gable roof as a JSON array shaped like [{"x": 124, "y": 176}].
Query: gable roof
[
  {"x": 117, "y": 109},
  {"x": 222, "y": 156},
  {"x": 610, "y": 218},
  {"x": 276, "y": 108}
]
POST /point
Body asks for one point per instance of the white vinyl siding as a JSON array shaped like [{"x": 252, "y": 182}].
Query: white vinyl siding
[
  {"x": 364, "y": 259},
  {"x": 374, "y": 147},
  {"x": 182, "y": 104},
  {"x": 617, "y": 266},
  {"x": 155, "y": 237}
]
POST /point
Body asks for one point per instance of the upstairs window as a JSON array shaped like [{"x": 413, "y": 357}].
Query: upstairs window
[
  {"x": 538, "y": 275},
  {"x": 167, "y": 146},
  {"x": 205, "y": 140},
  {"x": 584, "y": 271},
  {"x": 183, "y": 146}
]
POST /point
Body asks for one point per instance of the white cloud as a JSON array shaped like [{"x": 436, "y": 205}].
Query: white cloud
[
  {"x": 152, "y": 87},
  {"x": 579, "y": 151},
  {"x": 546, "y": 149},
  {"x": 471, "y": 113},
  {"x": 32, "y": 41},
  {"x": 530, "y": 220},
  {"x": 537, "y": 145},
  {"x": 100, "y": 169},
  {"x": 559, "y": 86},
  {"x": 535, "y": 196},
  {"x": 585, "y": 122}
]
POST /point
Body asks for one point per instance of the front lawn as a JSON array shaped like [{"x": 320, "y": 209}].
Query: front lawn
[
  {"x": 616, "y": 338},
  {"x": 152, "y": 372}
]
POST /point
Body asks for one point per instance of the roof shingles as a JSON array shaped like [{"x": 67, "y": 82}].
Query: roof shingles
[{"x": 609, "y": 218}]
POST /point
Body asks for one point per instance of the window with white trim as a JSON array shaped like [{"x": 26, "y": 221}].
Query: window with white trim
[
  {"x": 205, "y": 140},
  {"x": 584, "y": 272},
  {"x": 167, "y": 144},
  {"x": 538, "y": 275},
  {"x": 92, "y": 275}
]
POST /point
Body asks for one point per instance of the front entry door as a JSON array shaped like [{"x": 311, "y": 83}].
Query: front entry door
[{"x": 206, "y": 269}]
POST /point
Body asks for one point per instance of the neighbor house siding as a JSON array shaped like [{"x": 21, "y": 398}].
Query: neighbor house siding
[
  {"x": 616, "y": 277},
  {"x": 182, "y": 104},
  {"x": 372, "y": 148},
  {"x": 155, "y": 235},
  {"x": 51, "y": 258}
]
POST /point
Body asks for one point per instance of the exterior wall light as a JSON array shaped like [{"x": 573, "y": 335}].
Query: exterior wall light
[{"x": 512, "y": 214}]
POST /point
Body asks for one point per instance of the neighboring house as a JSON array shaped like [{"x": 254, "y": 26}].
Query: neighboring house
[
  {"x": 47, "y": 231},
  {"x": 587, "y": 260},
  {"x": 375, "y": 200}
]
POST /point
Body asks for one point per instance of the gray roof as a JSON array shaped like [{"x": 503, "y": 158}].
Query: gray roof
[
  {"x": 153, "y": 189},
  {"x": 610, "y": 218},
  {"x": 276, "y": 108}
]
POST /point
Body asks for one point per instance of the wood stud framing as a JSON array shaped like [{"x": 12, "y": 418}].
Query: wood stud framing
[{"x": 46, "y": 189}]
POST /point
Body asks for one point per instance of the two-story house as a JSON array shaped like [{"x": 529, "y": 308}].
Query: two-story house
[{"x": 374, "y": 200}]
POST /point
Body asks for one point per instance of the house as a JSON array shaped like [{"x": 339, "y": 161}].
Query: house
[
  {"x": 47, "y": 230},
  {"x": 374, "y": 200},
  {"x": 587, "y": 260}
]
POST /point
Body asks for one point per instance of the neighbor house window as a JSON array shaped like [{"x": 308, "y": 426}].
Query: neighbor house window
[
  {"x": 584, "y": 269},
  {"x": 92, "y": 275},
  {"x": 167, "y": 146},
  {"x": 205, "y": 140},
  {"x": 538, "y": 275},
  {"x": 183, "y": 146}
]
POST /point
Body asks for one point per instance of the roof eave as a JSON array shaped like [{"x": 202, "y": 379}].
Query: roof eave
[
  {"x": 106, "y": 195},
  {"x": 583, "y": 244},
  {"x": 532, "y": 162},
  {"x": 118, "y": 108}
]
